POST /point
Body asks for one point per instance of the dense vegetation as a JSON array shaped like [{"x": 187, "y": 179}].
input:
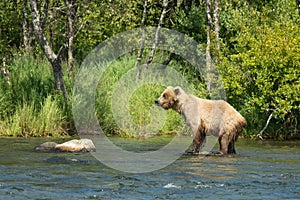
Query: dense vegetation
[{"x": 258, "y": 58}]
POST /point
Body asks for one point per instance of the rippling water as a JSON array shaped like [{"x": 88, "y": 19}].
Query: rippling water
[{"x": 260, "y": 170}]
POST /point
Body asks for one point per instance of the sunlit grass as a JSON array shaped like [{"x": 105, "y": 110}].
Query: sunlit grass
[{"x": 30, "y": 105}]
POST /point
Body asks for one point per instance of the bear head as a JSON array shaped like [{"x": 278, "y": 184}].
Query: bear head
[{"x": 169, "y": 97}]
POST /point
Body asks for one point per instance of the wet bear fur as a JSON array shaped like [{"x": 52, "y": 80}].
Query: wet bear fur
[{"x": 205, "y": 117}]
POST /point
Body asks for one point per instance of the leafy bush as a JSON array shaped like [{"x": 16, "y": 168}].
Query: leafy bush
[{"x": 261, "y": 72}]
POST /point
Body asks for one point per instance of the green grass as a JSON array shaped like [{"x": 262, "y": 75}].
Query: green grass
[
  {"x": 125, "y": 107},
  {"x": 30, "y": 105},
  {"x": 27, "y": 121}
]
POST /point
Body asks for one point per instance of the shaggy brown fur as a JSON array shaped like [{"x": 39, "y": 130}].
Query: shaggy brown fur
[{"x": 205, "y": 117}]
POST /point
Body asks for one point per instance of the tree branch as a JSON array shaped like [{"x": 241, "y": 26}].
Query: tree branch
[
  {"x": 45, "y": 15},
  {"x": 39, "y": 31},
  {"x": 71, "y": 16},
  {"x": 79, "y": 29},
  {"x": 162, "y": 16},
  {"x": 61, "y": 49},
  {"x": 265, "y": 127},
  {"x": 298, "y": 5}
]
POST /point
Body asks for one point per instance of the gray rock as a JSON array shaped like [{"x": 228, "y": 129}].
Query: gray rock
[{"x": 82, "y": 145}]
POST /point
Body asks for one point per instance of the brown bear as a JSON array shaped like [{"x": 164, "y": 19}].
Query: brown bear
[{"x": 205, "y": 117}]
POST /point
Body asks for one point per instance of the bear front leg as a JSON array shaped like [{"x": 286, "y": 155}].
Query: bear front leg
[
  {"x": 196, "y": 146},
  {"x": 198, "y": 141}
]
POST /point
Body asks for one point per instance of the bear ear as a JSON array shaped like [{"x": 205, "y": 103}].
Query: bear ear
[{"x": 177, "y": 90}]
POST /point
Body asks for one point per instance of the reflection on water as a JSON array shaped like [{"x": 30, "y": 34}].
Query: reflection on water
[{"x": 260, "y": 170}]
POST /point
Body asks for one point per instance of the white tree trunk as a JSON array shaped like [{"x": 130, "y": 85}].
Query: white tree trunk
[
  {"x": 162, "y": 16},
  {"x": 71, "y": 13},
  {"x": 207, "y": 52},
  {"x": 26, "y": 29},
  {"x": 216, "y": 24},
  {"x": 140, "y": 54}
]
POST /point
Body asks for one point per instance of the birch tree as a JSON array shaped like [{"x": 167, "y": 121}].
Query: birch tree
[
  {"x": 71, "y": 15},
  {"x": 157, "y": 33},
  {"x": 26, "y": 28},
  {"x": 140, "y": 54},
  {"x": 212, "y": 29},
  {"x": 53, "y": 58},
  {"x": 208, "y": 41},
  {"x": 216, "y": 25}
]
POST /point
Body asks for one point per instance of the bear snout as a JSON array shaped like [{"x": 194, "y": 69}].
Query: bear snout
[{"x": 156, "y": 102}]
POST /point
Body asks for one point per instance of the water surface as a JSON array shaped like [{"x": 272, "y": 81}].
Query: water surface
[{"x": 260, "y": 170}]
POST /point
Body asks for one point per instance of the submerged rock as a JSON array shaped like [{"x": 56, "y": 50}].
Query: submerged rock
[
  {"x": 64, "y": 160},
  {"x": 47, "y": 146},
  {"x": 81, "y": 145}
]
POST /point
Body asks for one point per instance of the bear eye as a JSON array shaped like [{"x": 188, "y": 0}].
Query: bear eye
[{"x": 165, "y": 95}]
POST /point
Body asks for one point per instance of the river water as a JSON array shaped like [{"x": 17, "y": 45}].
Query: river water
[{"x": 260, "y": 170}]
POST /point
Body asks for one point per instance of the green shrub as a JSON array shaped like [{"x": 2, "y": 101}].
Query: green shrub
[{"x": 261, "y": 70}]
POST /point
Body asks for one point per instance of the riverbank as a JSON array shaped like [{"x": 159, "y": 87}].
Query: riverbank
[{"x": 31, "y": 107}]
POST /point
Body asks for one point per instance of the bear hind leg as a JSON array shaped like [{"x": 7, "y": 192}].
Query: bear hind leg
[
  {"x": 223, "y": 142},
  {"x": 231, "y": 149}
]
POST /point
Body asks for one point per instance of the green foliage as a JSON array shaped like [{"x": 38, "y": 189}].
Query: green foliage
[
  {"x": 104, "y": 19},
  {"x": 9, "y": 28},
  {"x": 259, "y": 63},
  {"x": 265, "y": 61},
  {"x": 191, "y": 20}
]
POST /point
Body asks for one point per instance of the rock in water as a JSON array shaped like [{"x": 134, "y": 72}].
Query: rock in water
[
  {"x": 47, "y": 146},
  {"x": 82, "y": 145}
]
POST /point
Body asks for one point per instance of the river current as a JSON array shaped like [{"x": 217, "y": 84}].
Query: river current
[{"x": 260, "y": 170}]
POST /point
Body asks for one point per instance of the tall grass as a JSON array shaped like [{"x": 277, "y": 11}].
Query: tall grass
[
  {"x": 30, "y": 105},
  {"x": 27, "y": 121},
  {"x": 137, "y": 116}
]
